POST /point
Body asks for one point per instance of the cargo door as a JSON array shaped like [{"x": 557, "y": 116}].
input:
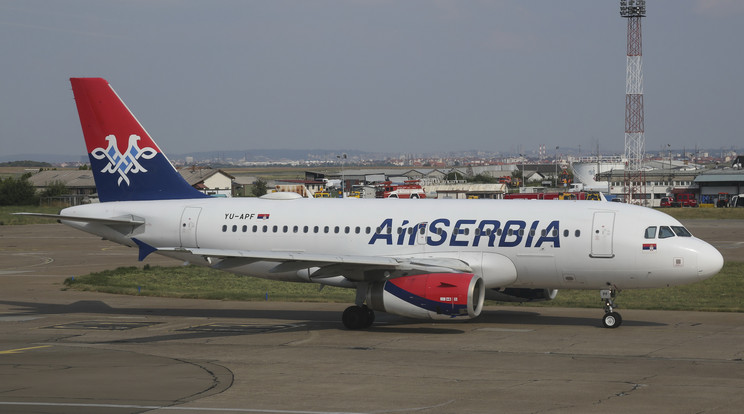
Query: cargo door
[
  {"x": 602, "y": 230},
  {"x": 189, "y": 219}
]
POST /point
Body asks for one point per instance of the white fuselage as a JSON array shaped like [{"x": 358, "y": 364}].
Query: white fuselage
[{"x": 562, "y": 244}]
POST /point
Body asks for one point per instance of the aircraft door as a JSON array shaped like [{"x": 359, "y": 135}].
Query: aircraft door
[
  {"x": 189, "y": 219},
  {"x": 602, "y": 229}
]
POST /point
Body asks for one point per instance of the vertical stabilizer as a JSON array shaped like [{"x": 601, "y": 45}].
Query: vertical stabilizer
[{"x": 127, "y": 164}]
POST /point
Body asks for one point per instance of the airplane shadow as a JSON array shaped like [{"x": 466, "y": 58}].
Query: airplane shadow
[
  {"x": 311, "y": 320},
  {"x": 511, "y": 317}
]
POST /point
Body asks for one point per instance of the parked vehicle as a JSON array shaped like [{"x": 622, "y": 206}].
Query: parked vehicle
[{"x": 685, "y": 200}]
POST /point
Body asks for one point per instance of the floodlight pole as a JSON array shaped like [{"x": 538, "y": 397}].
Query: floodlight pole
[{"x": 635, "y": 178}]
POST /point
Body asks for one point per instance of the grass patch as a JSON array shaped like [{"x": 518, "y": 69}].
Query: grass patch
[
  {"x": 7, "y": 217},
  {"x": 682, "y": 213},
  {"x": 723, "y": 292},
  {"x": 196, "y": 282}
]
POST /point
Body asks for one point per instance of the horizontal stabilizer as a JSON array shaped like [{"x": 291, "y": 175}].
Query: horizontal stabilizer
[{"x": 98, "y": 220}]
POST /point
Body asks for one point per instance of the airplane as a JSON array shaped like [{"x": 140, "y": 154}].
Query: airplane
[{"x": 425, "y": 259}]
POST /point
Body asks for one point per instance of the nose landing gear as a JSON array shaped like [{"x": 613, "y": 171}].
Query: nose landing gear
[{"x": 611, "y": 319}]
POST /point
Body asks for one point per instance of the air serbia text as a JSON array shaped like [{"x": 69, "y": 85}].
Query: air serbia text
[{"x": 467, "y": 232}]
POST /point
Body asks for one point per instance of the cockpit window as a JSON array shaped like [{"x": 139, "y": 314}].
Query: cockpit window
[
  {"x": 665, "y": 232},
  {"x": 651, "y": 232},
  {"x": 681, "y": 231}
]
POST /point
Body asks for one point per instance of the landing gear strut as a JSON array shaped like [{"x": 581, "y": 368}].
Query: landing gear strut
[
  {"x": 359, "y": 316},
  {"x": 611, "y": 319}
]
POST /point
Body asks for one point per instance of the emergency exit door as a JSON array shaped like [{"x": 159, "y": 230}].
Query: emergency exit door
[
  {"x": 189, "y": 219},
  {"x": 602, "y": 230}
]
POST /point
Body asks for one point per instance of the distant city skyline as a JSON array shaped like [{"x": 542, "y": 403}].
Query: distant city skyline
[{"x": 373, "y": 75}]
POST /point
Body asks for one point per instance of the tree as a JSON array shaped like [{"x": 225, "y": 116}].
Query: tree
[
  {"x": 16, "y": 192},
  {"x": 259, "y": 188},
  {"x": 454, "y": 175},
  {"x": 483, "y": 178},
  {"x": 55, "y": 189}
]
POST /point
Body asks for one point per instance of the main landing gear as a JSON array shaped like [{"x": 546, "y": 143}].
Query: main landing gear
[
  {"x": 611, "y": 319},
  {"x": 358, "y": 317}
]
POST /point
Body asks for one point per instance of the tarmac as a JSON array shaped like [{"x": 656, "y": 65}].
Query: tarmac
[{"x": 65, "y": 351}]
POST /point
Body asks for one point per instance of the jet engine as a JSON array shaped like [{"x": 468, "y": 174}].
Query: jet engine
[
  {"x": 521, "y": 295},
  {"x": 429, "y": 296}
]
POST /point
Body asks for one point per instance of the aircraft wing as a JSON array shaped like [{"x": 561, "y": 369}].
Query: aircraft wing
[{"x": 353, "y": 267}]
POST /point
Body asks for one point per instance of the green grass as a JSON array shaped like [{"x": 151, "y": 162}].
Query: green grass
[
  {"x": 682, "y": 213},
  {"x": 723, "y": 292},
  {"x": 7, "y": 217},
  {"x": 203, "y": 283}
]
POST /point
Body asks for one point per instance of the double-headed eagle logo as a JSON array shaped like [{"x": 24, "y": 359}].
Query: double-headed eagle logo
[{"x": 123, "y": 163}]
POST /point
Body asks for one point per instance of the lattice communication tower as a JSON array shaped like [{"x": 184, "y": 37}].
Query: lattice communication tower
[{"x": 635, "y": 178}]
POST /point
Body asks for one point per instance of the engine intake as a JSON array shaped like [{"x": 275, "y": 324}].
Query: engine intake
[{"x": 429, "y": 296}]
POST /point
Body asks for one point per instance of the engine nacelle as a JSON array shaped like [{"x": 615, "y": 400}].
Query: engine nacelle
[
  {"x": 429, "y": 296},
  {"x": 521, "y": 295}
]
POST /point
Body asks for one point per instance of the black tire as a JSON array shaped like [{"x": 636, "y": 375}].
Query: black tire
[
  {"x": 612, "y": 320},
  {"x": 370, "y": 317},
  {"x": 355, "y": 317}
]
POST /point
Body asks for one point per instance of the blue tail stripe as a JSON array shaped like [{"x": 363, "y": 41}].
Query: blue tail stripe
[{"x": 155, "y": 180}]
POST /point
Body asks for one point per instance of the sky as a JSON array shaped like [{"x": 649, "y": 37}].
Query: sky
[{"x": 410, "y": 76}]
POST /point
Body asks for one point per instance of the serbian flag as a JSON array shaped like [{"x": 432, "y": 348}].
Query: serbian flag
[
  {"x": 649, "y": 247},
  {"x": 263, "y": 217}
]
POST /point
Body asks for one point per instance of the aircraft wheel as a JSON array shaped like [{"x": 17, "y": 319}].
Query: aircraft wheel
[
  {"x": 355, "y": 317},
  {"x": 370, "y": 317},
  {"x": 612, "y": 320}
]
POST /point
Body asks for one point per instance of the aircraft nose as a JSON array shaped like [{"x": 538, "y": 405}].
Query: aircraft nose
[{"x": 710, "y": 261}]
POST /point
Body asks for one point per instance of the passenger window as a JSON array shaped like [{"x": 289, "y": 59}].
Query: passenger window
[
  {"x": 336, "y": 229},
  {"x": 368, "y": 230},
  {"x": 265, "y": 228},
  {"x": 651, "y": 232},
  {"x": 224, "y": 228},
  {"x": 326, "y": 229},
  {"x": 255, "y": 228},
  {"x": 665, "y": 232},
  {"x": 274, "y": 229},
  {"x": 285, "y": 229},
  {"x": 577, "y": 233},
  {"x": 305, "y": 229},
  {"x": 357, "y": 230},
  {"x": 681, "y": 231},
  {"x": 347, "y": 229},
  {"x": 234, "y": 228},
  {"x": 315, "y": 229},
  {"x": 295, "y": 229},
  {"x": 565, "y": 233},
  {"x": 245, "y": 228}
]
